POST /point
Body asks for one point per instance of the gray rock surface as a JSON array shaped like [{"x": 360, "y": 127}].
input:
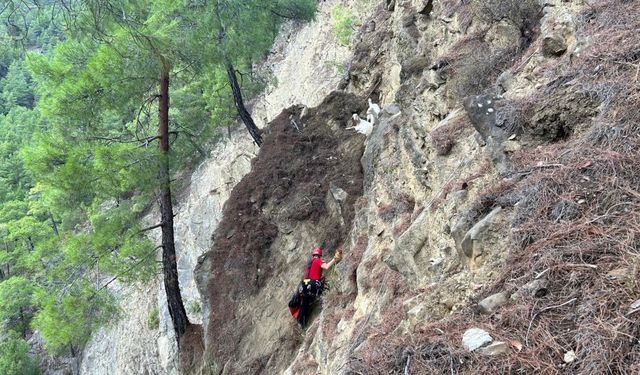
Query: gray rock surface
[
  {"x": 496, "y": 348},
  {"x": 490, "y": 304},
  {"x": 335, "y": 201},
  {"x": 472, "y": 244},
  {"x": 558, "y": 32},
  {"x": 503, "y": 34},
  {"x": 483, "y": 111}
]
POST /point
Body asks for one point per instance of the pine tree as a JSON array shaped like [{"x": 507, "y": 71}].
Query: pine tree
[
  {"x": 14, "y": 356},
  {"x": 78, "y": 171}
]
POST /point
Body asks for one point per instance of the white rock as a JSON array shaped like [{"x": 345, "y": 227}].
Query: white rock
[
  {"x": 342, "y": 325},
  {"x": 475, "y": 338},
  {"x": 569, "y": 356}
]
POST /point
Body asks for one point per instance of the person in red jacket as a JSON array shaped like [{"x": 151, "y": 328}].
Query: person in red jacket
[
  {"x": 314, "y": 269},
  {"x": 312, "y": 285}
]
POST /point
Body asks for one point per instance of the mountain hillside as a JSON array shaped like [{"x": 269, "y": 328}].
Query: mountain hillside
[
  {"x": 495, "y": 200},
  {"x": 489, "y": 222},
  {"x": 132, "y": 345}
]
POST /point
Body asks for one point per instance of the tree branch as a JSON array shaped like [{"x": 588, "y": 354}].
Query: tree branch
[
  {"x": 276, "y": 13},
  {"x": 150, "y": 228},
  {"x": 145, "y": 141},
  {"x": 126, "y": 271}
]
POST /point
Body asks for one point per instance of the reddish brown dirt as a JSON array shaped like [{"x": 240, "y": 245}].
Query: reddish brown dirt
[
  {"x": 191, "y": 348},
  {"x": 288, "y": 182}
]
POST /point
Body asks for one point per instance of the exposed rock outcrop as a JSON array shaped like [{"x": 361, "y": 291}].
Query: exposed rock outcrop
[
  {"x": 114, "y": 350},
  {"x": 309, "y": 179},
  {"x": 493, "y": 192}
]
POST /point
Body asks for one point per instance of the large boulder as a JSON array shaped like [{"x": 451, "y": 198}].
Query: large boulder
[
  {"x": 472, "y": 246},
  {"x": 558, "y": 32}
]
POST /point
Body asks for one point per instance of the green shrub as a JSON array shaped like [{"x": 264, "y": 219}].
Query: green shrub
[
  {"x": 14, "y": 357},
  {"x": 344, "y": 22},
  {"x": 153, "y": 319},
  {"x": 194, "y": 307}
]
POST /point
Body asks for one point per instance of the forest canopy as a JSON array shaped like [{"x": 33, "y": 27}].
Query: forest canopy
[{"x": 83, "y": 152}]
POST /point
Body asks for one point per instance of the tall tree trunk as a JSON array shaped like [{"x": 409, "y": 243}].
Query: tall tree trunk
[
  {"x": 242, "y": 110},
  {"x": 29, "y": 244},
  {"x": 6, "y": 248},
  {"x": 169, "y": 265},
  {"x": 54, "y": 224}
]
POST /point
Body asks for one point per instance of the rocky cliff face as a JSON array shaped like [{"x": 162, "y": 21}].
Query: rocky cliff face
[
  {"x": 478, "y": 242},
  {"x": 488, "y": 221},
  {"x": 132, "y": 345}
]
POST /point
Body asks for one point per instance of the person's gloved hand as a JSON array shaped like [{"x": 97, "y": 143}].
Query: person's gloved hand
[{"x": 338, "y": 256}]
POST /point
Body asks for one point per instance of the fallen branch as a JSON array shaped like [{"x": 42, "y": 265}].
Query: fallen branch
[
  {"x": 592, "y": 266},
  {"x": 406, "y": 367},
  {"x": 536, "y": 167}
]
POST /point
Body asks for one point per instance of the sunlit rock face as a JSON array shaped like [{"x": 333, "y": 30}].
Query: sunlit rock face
[
  {"x": 130, "y": 346},
  {"x": 420, "y": 246}
]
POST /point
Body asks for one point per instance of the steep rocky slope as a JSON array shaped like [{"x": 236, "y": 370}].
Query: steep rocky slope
[
  {"x": 132, "y": 345},
  {"x": 499, "y": 192}
]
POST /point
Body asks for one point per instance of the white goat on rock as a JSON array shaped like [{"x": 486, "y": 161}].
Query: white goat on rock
[
  {"x": 362, "y": 126},
  {"x": 373, "y": 112},
  {"x": 366, "y": 126}
]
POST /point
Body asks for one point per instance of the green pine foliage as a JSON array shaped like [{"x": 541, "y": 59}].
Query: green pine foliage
[
  {"x": 79, "y": 159},
  {"x": 16, "y": 87},
  {"x": 14, "y": 356},
  {"x": 68, "y": 318},
  {"x": 344, "y": 23},
  {"x": 16, "y": 293}
]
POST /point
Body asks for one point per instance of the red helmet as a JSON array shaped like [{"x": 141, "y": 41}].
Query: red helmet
[{"x": 317, "y": 251}]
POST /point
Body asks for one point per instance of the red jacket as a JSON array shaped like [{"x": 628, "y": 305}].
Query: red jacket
[{"x": 314, "y": 269}]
